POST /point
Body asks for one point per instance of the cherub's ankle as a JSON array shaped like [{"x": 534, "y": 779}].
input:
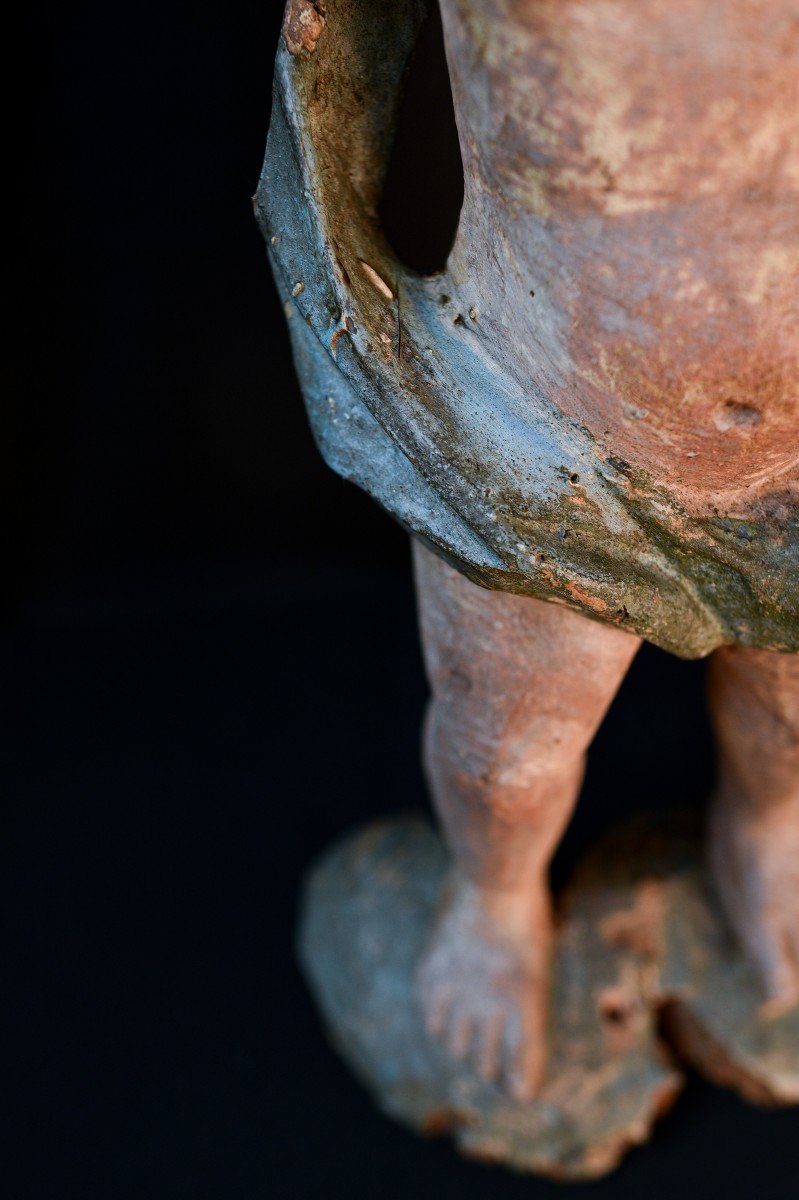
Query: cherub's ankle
[{"x": 519, "y": 909}]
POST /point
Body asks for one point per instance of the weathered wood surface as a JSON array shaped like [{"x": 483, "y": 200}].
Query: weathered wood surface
[
  {"x": 640, "y": 949},
  {"x": 596, "y": 401}
]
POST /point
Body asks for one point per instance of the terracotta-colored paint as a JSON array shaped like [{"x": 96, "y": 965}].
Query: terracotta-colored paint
[{"x": 595, "y": 406}]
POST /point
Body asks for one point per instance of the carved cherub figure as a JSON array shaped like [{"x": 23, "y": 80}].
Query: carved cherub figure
[{"x": 589, "y": 421}]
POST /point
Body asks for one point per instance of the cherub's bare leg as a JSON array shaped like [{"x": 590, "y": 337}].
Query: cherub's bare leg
[
  {"x": 754, "y": 816},
  {"x": 519, "y": 689}
]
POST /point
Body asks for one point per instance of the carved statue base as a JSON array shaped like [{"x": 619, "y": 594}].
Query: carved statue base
[{"x": 645, "y": 975}]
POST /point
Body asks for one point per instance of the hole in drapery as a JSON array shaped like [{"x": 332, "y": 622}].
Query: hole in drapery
[{"x": 423, "y": 189}]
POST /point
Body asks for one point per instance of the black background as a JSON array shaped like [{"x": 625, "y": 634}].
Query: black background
[{"x": 212, "y": 668}]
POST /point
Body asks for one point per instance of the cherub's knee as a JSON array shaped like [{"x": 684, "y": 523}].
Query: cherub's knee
[{"x": 498, "y": 758}]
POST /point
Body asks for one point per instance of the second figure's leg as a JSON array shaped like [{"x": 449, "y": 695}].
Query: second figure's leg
[
  {"x": 754, "y": 816},
  {"x": 519, "y": 690}
]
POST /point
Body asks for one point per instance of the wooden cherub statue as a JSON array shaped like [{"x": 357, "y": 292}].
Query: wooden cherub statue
[{"x": 590, "y": 424}]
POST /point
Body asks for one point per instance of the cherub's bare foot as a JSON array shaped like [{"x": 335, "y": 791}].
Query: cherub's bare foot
[
  {"x": 754, "y": 860},
  {"x": 483, "y": 982}
]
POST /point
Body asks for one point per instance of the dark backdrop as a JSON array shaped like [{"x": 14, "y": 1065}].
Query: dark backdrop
[{"x": 211, "y": 662}]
